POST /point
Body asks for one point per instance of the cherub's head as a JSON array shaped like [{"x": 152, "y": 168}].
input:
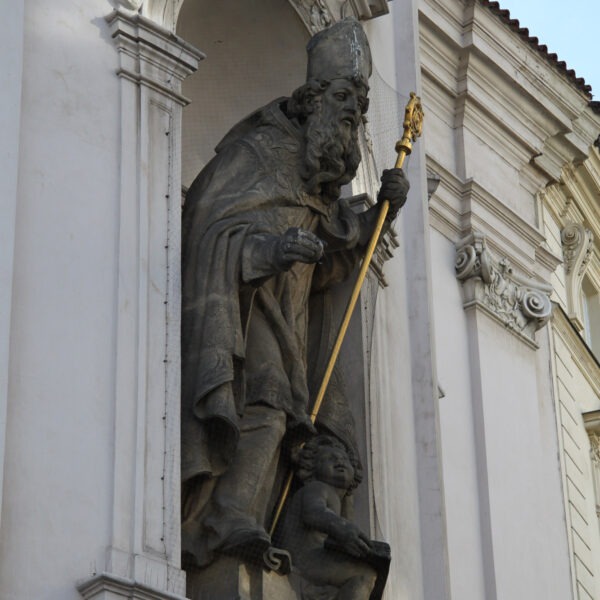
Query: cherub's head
[{"x": 326, "y": 459}]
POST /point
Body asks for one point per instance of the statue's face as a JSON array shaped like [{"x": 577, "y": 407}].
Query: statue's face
[
  {"x": 344, "y": 103},
  {"x": 332, "y": 153},
  {"x": 333, "y": 467}
]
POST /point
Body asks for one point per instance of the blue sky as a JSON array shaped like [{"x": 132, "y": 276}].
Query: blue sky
[{"x": 571, "y": 29}]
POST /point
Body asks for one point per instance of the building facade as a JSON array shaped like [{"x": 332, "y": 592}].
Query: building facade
[{"x": 473, "y": 358}]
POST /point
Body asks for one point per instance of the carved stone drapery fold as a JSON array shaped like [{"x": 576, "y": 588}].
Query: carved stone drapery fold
[
  {"x": 577, "y": 243},
  {"x": 522, "y": 306}
]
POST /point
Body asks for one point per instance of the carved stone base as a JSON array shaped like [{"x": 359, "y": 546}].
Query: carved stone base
[
  {"x": 106, "y": 586},
  {"x": 229, "y": 579}
]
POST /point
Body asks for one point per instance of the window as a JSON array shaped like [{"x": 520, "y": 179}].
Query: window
[{"x": 591, "y": 315}]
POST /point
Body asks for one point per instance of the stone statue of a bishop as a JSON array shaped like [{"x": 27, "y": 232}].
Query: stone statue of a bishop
[{"x": 264, "y": 227}]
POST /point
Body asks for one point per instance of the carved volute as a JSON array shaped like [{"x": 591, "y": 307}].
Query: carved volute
[
  {"x": 577, "y": 243},
  {"x": 522, "y": 306}
]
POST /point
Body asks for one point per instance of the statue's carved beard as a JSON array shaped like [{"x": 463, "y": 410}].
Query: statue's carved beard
[{"x": 331, "y": 153}]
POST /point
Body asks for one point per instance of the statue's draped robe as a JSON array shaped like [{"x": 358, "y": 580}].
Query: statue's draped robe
[{"x": 244, "y": 329}]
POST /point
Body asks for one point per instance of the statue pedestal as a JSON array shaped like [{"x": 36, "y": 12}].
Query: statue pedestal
[{"x": 230, "y": 579}]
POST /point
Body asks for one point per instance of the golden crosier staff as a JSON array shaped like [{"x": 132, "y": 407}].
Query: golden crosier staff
[{"x": 413, "y": 124}]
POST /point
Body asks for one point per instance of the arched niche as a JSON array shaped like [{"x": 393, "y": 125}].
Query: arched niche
[
  {"x": 316, "y": 14},
  {"x": 255, "y": 53}
]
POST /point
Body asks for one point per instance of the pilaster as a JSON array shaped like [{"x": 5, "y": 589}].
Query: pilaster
[
  {"x": 10, "y": 119},
  {"x": 143, "y": 560},
  {"x": 503, "y": 312}
]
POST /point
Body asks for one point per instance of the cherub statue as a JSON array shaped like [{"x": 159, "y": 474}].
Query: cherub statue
[{"x": 327, "y": 549}]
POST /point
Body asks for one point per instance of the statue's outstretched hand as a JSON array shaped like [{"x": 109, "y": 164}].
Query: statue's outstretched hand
[
  {"x": 394, "y": 188},
  {"x": 353, "y": 541},
  {"x": 297, "y": 245}
]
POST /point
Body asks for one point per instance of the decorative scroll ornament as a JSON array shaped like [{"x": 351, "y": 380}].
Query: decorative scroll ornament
[
  {"x": 578, "y": 245},
  {"x": 521, "y": 305}
]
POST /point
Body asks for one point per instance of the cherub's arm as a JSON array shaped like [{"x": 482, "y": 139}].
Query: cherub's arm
[{"x": 317, "y": 514}]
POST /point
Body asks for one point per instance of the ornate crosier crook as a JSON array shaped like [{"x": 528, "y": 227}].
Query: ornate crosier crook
[{"x": 413, "y": 124}]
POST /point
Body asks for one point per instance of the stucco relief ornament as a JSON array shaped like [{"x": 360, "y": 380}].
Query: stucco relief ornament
[
  {"x": 595, "y": 458},
  {"x": 577, "y": 244},
  {"x": 522, "y": 306},
  {"x": 315, "y": 14},
  {"x": 595, "y": 449}
]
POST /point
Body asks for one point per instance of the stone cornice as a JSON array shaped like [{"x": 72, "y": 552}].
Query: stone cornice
[
  {"x": 366, "y": 9},
  {"x": 522, "y": 306},
  {"x": 467, "y": 50},
  {"x": 106, "y": 585},
  {"x": 151, "y": 55},
  {"x": 459, "y": 207},
  {"x": 591, "y": 420},
  {"x": 563, "y": 99}
]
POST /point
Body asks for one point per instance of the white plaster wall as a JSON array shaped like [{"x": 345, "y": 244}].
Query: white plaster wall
[
  {"x": 55, "y": 521},
  {"x": 526, "y": 516},
  {"x": 503, "y": 497},
  {"x": 503, "y": 493},
  {"x": 575, "y": 395},
  {"x": 255, "y": 53}
]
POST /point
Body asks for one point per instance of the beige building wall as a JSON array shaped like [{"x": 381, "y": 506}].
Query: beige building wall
[
  {"x": 571, "y": 224},
  {"x": 504, "y": 131}
]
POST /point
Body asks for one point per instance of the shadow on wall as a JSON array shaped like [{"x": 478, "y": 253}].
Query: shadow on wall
[{"x": 251, "y": 59}]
